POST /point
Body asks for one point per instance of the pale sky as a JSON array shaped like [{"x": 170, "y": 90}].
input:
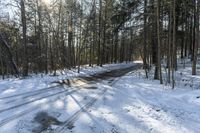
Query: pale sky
[
  {"x": 11, "y": 9},
  {"x": 47, "y": 1}
]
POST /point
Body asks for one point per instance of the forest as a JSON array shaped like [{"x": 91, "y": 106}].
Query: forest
[{"x": 41, "y": 36}]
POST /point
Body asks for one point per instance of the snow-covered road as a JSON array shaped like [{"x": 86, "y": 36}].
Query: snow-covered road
[
  {"x": 61, "y": 102},
  {"x": 105, "y": 102}
]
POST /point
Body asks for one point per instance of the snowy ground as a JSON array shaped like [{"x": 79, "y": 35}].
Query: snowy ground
[
  {"x": 125, "y": 104},
  {"x": 12, "y": 86},
  {"x": 138, "y": 105}
]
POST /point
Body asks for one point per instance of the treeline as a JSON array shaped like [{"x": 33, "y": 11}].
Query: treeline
[
  {"x": 69, "y": 33},
  {"x": 64, "y": 34},
  {"x": 171, "y": 32}
]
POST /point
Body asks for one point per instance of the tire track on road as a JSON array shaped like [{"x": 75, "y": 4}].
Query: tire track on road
[
  {"x": 15, "y": 116},
  {"x": 73, "y": 118}
]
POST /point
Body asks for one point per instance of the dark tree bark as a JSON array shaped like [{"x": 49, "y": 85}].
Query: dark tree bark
[{"x": 24, "y": 29}]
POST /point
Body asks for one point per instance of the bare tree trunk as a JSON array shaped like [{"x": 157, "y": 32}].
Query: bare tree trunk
[
  {"x": 2, "y": 66},
  {"x": 23, "y": 19},
  {"x": 196, "y": 36},
  {"x": 145, "y": 67},
  {"x": 46, "y": 55},
  {"x": 116, "y": 35},
  {"x": 159, "y": 47},
  {"x": 174, "y": 43},
  {"x": 99, "y": 41},
  {"x": 169, "y": 45},
  {"x": 70, "y": 37}
]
